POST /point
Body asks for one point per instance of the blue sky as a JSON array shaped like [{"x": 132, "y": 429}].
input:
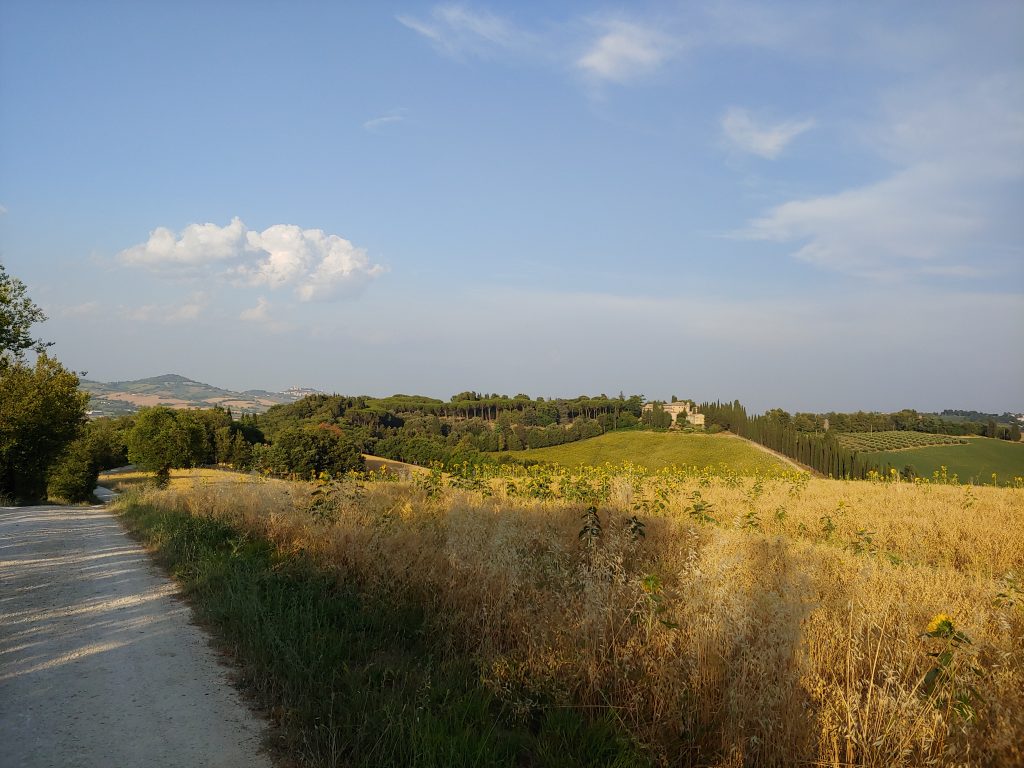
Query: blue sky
[{"x": 808, "y": 205}]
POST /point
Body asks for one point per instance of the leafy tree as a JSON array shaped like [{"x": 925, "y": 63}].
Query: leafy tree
[
  {"x": 17, "y": 316},
  {"x": 157, "y": 442},
  {"x": 41, "y": 408},
  {"x": 41, "y": 412},
  {"x": 73, "y": 477},
  {"x": 108, "y": 441},
  {"x": 308, "y": 451}
]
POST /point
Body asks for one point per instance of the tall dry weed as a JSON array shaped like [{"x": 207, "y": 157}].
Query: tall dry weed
[{"x": 763, "y": 622}]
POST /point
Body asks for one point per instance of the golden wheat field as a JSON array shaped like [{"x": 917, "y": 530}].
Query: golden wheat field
[{"x": 723, "y": 621}]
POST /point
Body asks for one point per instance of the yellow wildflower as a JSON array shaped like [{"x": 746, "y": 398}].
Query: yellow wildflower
[{"x": 941, "y": 624}]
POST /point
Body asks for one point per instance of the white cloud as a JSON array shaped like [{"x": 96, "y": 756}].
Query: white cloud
[
  {"x": 958, "y": 152},
  {"x": 456, "y": 30},
  {"x": 625, "y": 51},
  {"x": 318, "y": 266},
  {"x": 766, "y": 141},
  {"x": 374, "y": 125},
  {"x": 197, "y": 244}
]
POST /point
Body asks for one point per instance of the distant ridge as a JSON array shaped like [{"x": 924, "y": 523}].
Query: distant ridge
[{"x": 176, "y": 391}]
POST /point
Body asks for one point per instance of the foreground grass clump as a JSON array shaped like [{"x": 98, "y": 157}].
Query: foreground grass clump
[
  {"x": 348, "y": 682},
  {"x": 721, "y": 621}
]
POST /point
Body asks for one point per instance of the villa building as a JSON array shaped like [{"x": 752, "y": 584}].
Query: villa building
[{"x": 682, "y": 408}]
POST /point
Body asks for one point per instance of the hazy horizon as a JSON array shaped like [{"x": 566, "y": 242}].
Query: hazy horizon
[{"x": 803, "y": 205}]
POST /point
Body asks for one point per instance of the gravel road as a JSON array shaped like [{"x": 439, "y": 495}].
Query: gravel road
[{"x": 100, "y": 664}]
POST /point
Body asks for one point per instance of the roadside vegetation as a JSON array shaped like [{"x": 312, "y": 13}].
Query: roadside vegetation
[{"x": 543, "y": 615}]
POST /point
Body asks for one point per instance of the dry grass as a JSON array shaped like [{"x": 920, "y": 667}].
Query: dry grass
[{"x": 788, "y": 629}]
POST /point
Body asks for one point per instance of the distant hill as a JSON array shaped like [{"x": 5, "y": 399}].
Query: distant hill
[{"x": 120, "y": 397}]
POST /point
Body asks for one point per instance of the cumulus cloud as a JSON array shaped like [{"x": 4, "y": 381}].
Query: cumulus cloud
[
  {"x": 744, "y": 133},
  {"x": 624, "y": 51},
  {"x": 197, "y": 244},
  {"x": 456, "y": 31},
  {"x": 316, "y": 265}
]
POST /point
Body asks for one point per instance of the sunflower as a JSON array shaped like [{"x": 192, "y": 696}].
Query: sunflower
[{"x": 941, "y": 625}]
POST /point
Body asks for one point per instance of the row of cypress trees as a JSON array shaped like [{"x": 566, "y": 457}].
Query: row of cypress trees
[{"x": 820, "y": 451}]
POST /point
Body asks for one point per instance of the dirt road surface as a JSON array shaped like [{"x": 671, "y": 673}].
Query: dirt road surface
[{"x": 99, "y": 663}]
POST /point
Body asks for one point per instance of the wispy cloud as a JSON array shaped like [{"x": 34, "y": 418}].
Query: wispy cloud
[
  {"x": 377, "y": 124},
  {"x": 81, "y": 310},
  {"x": 624, "y": 51},
  {"x": 258, "y": 314},
  {"x": 957, "y": 148},
  {"x": 169, "y": 314},
  {"x": 742, "y": 132},
  {"x": 316, "y": 265},
  {"x": 456, "y": 30},
  {"x": 261, "y": 315},
  {"x": 605, "y": 50}
]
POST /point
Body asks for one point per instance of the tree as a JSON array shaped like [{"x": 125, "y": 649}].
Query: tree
[
  {"x": 41, "y": 412},
  {"x": 17, "y": 316},
  {"x": 41, "y": 408},
  {"x": 157, "y": 442},
  {"x": 308, "y": 451}
]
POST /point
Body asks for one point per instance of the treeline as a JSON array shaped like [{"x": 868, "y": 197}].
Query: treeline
[
  {"x": 905, "y": 420},
  {"x": 422, "y": 430},
  {"x": 329, "y": 433},
  {"x": 160, "y": 439}
]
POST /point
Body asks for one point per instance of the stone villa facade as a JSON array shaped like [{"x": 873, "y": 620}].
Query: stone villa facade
[{"x": 675, "y": 410}]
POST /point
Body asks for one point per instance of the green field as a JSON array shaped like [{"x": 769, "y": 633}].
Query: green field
[
  {"x": 975, "y": 461},
  {"x": 654, "y": 450}
]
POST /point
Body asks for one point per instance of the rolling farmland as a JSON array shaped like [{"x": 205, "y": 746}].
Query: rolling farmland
[{"x": 974, "y": 460}]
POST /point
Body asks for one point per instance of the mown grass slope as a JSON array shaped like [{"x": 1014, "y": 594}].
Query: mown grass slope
[
  {"x": 654, "y": 450},
  {"x": 975, "y": 461}
]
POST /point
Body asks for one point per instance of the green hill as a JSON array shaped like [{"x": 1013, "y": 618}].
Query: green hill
[
  {"x": 974, "y": 461},
  {"x": 659, "y": 449}
]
